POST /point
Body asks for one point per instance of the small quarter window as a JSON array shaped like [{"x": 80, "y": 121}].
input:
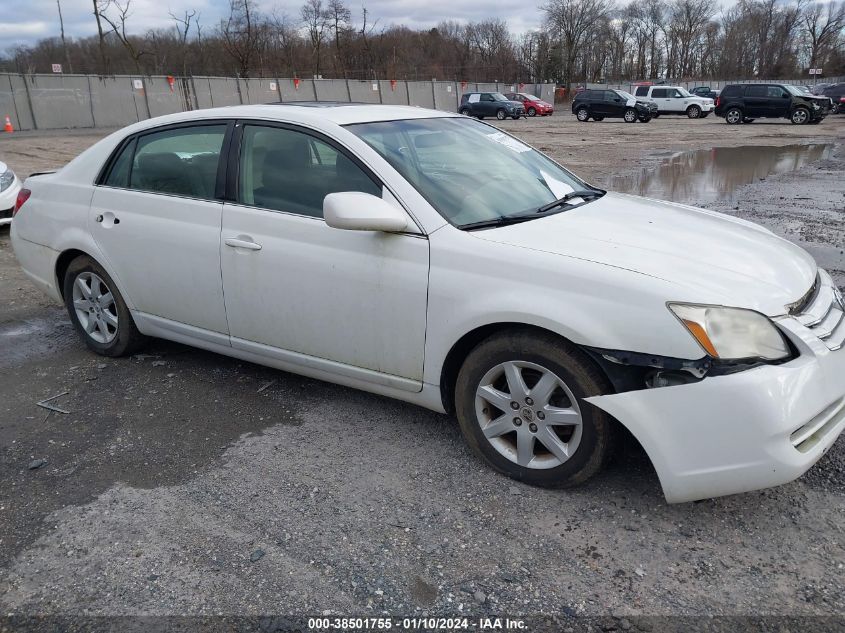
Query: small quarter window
[
  {"x": 119, "y": 173},
  {"x": 642, "y": 91}
]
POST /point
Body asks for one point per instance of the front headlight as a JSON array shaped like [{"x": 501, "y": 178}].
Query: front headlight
[
  {"x": 6, "y": 179},
  {"x": 732, "y": 333}
]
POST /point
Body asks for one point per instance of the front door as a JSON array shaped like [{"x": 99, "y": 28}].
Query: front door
[
  {"x": 157, "y": 223},
  {"x": 294, "y": 284}
]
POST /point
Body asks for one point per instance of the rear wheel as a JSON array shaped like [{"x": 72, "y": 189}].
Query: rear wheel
[
  {"x": 98, "y": 311},
  {"x": 630, "y": 115},
  {"x": 501, "y": 114},
  {"x": 464, "y": 111},
  {"x": 733, "y": 116},
  {"x": 693, "y": 112},
  {"x": 532, "y": 112},
  {"x": 520, "y": 404},
  {"x": 800, "y": 116},
  {"x": 582, "y": 114}
]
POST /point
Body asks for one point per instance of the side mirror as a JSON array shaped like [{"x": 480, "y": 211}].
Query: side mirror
[{"x": 358, "y": 211}]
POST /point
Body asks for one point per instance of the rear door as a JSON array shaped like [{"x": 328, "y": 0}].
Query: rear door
[
  {"x": 156, "y": 218},
  {"x": 757, "y": 101}
]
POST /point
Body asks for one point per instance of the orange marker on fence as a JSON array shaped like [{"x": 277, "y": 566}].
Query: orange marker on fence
[{"x": 8, "y": 127}]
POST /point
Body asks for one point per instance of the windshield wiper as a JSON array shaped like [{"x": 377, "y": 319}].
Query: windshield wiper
[
  {"x": 579, "y": 193},
  {"x": 500, "y": 221}
]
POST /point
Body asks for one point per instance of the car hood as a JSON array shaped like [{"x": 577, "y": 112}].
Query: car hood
[{"x": 714, "y": 257}]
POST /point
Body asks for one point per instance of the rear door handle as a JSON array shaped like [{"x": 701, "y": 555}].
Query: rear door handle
[{"x": 236, "y": 243}]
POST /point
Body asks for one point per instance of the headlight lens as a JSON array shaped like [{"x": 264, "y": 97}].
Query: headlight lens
[
  {"x": 732, "y": 333},
  {"x": 6, "y": 179}
]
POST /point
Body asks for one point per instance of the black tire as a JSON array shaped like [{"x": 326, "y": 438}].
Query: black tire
[
  {"x": 127, "y": 338},
  {"x": 630, "y": 116},
  {"x": 800, "y": 116},
  {"x": 501, "y": 114},
  {"x": 734, "y": 116},
  {"x": 582, "y": 114},
  {"x": 532, "y": 112},
  {"x": 580, "y": 375},
  {"x": 464, "y": 111},
  {"x": 693, "y": 112}
]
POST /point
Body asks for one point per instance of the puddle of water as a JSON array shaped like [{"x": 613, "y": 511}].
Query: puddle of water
[{"x": 711, "y": 175}]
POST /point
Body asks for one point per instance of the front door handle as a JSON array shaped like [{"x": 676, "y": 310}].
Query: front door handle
[{"x": 236, "y": 243}]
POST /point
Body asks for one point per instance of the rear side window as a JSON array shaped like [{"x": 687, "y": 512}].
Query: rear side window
[
  {"x": 660, "y": 93},
  {"x": 732, "y": 91},
  {"x": 642, "y": 91},
  {"x": 757, "y": 91},
  {"x": 119, "y": 174},
  {"x": 288, "y": 170},
  {"x": 181, "y": 161}
]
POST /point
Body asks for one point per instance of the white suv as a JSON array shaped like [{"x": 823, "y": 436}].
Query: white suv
[{"x": 675, "y": 100}]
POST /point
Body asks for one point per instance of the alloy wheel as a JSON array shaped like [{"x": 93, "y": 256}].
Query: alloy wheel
[
  {"x": 95, "y": 307},
  {"x": 694, "y": 112},
  {"x": 800, "y": 116},
  {"x": 733, "y": 116},
  {"x": 528, "y": 414},
  {"x": 582, "y": 114},
  {"x": 630, "y": 116}
]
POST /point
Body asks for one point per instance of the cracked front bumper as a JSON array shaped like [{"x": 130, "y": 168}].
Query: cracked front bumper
[{"x": 745, "y": 431}]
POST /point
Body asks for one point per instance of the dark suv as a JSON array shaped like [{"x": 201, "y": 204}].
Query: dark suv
[
  {"x": 836, "y": 93},
  {"x": 601, "y": 104},
  {"x": 482, "y": 104},
  {"x": 742, "y": 103}
]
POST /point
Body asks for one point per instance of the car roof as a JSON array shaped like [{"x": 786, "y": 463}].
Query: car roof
[{"x": 340, "y": 113}]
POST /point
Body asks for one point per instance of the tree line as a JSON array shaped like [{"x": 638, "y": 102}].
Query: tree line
[{"x": 579, "y": 41}]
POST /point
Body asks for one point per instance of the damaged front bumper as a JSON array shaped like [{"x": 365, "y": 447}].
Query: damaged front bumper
[{"x": 742, "y": 431}]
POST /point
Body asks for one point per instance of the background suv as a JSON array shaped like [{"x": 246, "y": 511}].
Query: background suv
[
  {"x": 742, "y": 103},
  {"x": 600, "y": 104},
  {"x": 676, "y": 100},
  {"x": 533, "y": 104},
  {"x": 482, "y": 104},
  {"x": 836, "y": 93}
]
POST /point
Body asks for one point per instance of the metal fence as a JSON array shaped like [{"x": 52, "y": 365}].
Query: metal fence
[{"x": 45, "y": 102}]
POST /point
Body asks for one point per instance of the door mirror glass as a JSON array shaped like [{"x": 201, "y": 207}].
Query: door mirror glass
[{"x": 356, "y": 211}]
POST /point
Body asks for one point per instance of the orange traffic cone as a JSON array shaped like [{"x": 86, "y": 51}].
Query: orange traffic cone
[{"x": 8, "y": 127}]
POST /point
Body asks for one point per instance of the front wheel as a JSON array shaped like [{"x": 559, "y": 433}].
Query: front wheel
[
  {"x": 800, "y": 116},
  {"x": 520, "y": 404},
  {"x": 693, "y": 112},
  {"x": 98, "y": 311},
  {"x": 582, "y": 114},
  {"x": 630, "y": 115},
  {"x": 501, "y": 114}
]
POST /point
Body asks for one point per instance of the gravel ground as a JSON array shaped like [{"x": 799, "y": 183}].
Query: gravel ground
[{"x": 182, "y": 482}]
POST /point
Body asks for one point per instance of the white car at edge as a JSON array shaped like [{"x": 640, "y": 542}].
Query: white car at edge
[
  {"x": 362, "y": 245},
  {"x": 10, "y": 185}
]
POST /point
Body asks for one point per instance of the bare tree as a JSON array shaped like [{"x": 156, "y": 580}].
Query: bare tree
[
  {"x": 241, "y": 35},
  {"x": 118, "y": 25},
  {"x": 315, "y": 20},
  {"x": 183, "y": 27},
  {"x": 340, "y": 19},
  {"x": 99, "y": 7},
  {"x": 823, "y": 24},
  {"x": 571, "y": 21}
]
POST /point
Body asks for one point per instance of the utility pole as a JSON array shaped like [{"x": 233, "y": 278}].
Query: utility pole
[{"x": 64, "y": 43}]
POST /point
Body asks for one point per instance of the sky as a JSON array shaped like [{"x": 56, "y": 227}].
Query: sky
[{"x": 26, "y": 21}]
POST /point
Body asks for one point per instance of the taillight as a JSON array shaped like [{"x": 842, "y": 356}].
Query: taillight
[
  {"x": 717, "y": 101},
  {"x": 23, "y": 196}
]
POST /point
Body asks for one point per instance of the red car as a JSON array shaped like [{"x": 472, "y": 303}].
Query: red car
[{"x": 533, "y": 105}]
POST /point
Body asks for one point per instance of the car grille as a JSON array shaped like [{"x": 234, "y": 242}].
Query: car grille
[{"x": 823, "y": 313}]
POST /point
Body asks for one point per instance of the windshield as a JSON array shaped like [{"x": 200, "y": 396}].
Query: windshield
[
  {"x": 793, "y": 90},
  {"x": 529, "y": 97},
  {"x": 498, "y": 96},
  {"x": 625, "y": 95},
  {"x": 684, "y": 92},
  {"x": 469, "y": 171}
]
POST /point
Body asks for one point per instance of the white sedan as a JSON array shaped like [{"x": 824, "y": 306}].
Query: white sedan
[
  {"x": 433, "y": 258},
  {"x": 10, "y": 185}
]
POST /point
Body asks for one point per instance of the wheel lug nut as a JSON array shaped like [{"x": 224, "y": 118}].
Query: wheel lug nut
[
  {"x": 532, "y": 427},
  {"x": 541, "y": 415},
  {"x": 514, "y": 405},
  {"x": 529, "y": 401},
  {"x": 517, "y": 421}
]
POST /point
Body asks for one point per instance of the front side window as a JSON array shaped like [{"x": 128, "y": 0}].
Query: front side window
[
  {"x": 439, "y": 157},
  {"x": 289, "y": 170},
  {"x": 180, "y": 161}
]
